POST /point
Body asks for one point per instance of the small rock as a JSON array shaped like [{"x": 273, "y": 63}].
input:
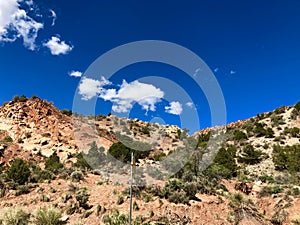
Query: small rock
[{"x": 64, "y": 218}]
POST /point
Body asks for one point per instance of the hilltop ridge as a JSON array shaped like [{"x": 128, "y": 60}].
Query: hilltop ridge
[{"x": 252, "y": 176}]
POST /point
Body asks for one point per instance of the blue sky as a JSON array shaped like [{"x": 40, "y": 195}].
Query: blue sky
[{"x": 252, "y": 47}]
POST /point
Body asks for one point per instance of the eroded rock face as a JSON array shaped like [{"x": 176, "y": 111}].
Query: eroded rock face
[{"x": 37, "y": 126}]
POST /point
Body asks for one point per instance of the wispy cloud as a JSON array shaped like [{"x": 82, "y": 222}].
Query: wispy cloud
[
  {"x": 74, "y": 73},
  {"x": 15, "y": 23},
  {"x": 58, "y": 47},
  {"x": 190, "y": 104},
  {"x": 196, "y": 72},
  {"x": 232, "y": 72},
  {"x": 174, "y": 108},
  {"x": 53, "y": 16}
]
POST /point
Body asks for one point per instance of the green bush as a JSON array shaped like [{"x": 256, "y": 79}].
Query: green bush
[
  {"x": 66, "y": 112},
  {"x": 120, "y": 200},
  {"x": 287, "y": 158},
  {"x": 145, "y": 130},
  {"x": 203, "y": 139},
  {"x": 23, "y": 98},
  {"x": 123, "y": 153},
  {"x": 115, "y": 218},
  {"x": 95, "y": 156},
  {"x": 251, "y": 156},
  {"x": 53, "y": 163},
  {"x": 18, "y": 171},
  {"x": 280, "y": 110},
  {"x": 82, "y": 197},
  {"x": 294, "y": 132},
  {"x": 16, "y": 217},
  {"x": 267, "y": 178},
  {"x": 91, "y": 160},
  {"x": 81, "y": 162},
  {"x": 159, "y": 156},
  {"x": 22, "y": 189},
  {"x": 7, "y": 139},
  {"x": 77, "y": 176},
  {"x": 269, "y": 190},
  {"x": 269, "y": 133},
  {"x": 297, "y": 106},
  {"x": 42, "y": 175},
  {"x": 239, "y": 135},
  {"x": 224, "y": 164},
  {"x": 260, "y": 131},
  {"x": 277, "y": 120},
  {"x": 46, "y": 216}
]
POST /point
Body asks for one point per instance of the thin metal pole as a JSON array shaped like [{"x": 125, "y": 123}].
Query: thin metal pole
[{"x": 131, "y": 171}]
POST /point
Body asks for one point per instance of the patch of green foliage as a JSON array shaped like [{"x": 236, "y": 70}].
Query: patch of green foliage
[
  {"x": 294, "y": 132},
  {"x": 260, "y": 131},
  {"x": 21, "y": 98},
  {"x": 45, "y": 216},
  {"x": 251, "y": 156},
  {"x": 93, "y": 159},
  {"x": 159, "y": 156},
  {"x": 66, "y": 112},
  {"x": 15, "y": 217},
  {"x": 7, "y": 139},
  {"x": 239, "y": 135},
  {"x": 123, "y": 153},
  {"x": 287, "y": 158},
  {"x": 224, "y": 164},
  {"x": 18, "y": 171},
  {"x": 53, "y": 163},
  {"x": 115, "y": 218}
]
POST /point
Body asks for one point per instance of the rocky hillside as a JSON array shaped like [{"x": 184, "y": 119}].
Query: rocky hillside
[
  {"x": 246, "y": 172},
  {"x": 35, "y": 127}
]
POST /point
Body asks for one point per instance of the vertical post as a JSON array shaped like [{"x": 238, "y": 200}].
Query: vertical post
[{"x": 131, "y": 177}]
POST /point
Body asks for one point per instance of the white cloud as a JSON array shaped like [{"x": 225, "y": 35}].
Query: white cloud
[
  {"x": 15, "y": 23},
  {"x": 89, "y": 88},
  {"x": 174, "y": 108},
  {"x": 146, "y": 95},
  {"x": 75, "y": 73},
  {"x": 7, "y": 9},
  {"x": 190, "y": 104},
  {"x": 232, "y": 72},
  {"x": 53, "y": 15},
  {"x": 57, "y": 46},
  {"x": 29, "y": 2}
]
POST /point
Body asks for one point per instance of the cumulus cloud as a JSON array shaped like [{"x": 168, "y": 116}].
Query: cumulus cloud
[
  {"x": 174, "y": 108},
  {"x": 58, "y": 47},
  {"x": 146, "y": 95},
  {"x": 74, "y": 73},
  {"x": 15, "y": 23},
  {"x": 89, "y": 88},
  {"x": 7, "y": 9}
]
